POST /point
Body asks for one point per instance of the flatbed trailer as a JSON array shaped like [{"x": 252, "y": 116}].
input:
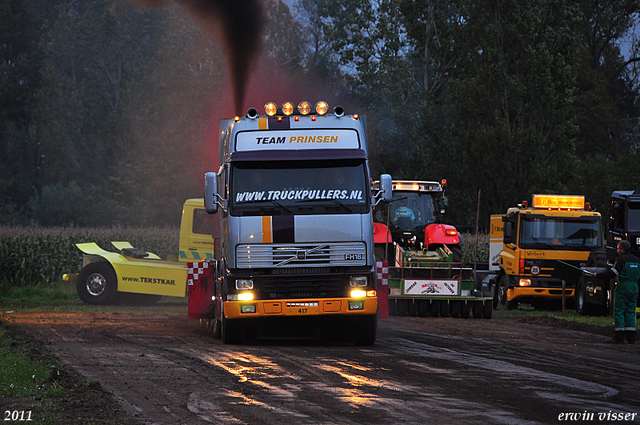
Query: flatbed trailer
[{"x": 430, "y": 283}]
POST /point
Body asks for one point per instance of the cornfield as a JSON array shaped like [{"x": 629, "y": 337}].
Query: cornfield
[{"x": 32, "y": 256}]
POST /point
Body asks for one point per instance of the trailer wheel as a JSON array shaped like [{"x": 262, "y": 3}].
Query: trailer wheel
[
  {"x": 477, "y": 306},
  {"x": 413, "y": 307},
  {"x": 435, "y": 308},
  {"x": 403, "y": 307},
  {"x": 423, "y": 308},
  {"x": 393, "y": 307},
  {"x": 444, "y": 308},
  {"x": 364, "y": 330},
  {"x": 454, "y": 309},
  {"x": 487, "y": 310},
  {"x": 465, "y": 310},
  {"x": 97, "y": 284}
]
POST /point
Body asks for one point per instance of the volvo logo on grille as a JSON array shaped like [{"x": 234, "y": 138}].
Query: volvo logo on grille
[{"x": 301, "y": 255}]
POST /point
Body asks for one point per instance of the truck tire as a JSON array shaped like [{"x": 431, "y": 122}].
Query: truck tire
[
  {"x": 582, "y": 307},
  {"x": 97, "y": 284},
  {"x": 503, "y": 303},
  {"x": 233, "y": 331},
  {"x": 364, "y": 330},
  {"x": 597, "y": 258}
]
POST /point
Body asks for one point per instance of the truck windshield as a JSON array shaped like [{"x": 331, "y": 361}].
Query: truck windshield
[
  {"x": 303, "y": 187},
  {"x": 560, "y": 233},
  {"x": 634, "y": 217},
  {"x": 408, "y": 210}
]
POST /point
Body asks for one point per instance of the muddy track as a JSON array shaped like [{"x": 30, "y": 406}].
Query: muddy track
[{"x": 164, "y": 369}]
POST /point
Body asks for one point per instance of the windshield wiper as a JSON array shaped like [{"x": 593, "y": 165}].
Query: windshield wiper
[
  {"x": 276, "y": 203},
  {"x": 335, "y": 201}
]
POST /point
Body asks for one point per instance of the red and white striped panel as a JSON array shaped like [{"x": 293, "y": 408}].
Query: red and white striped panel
[
  {"x": 196, "y": 270},
  {"x": 382, "y": 270}
]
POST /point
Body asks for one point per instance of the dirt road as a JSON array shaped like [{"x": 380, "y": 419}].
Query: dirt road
[{"x": 164, "y": 369}]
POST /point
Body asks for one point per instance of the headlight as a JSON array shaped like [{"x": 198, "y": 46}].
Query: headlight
[
  {"x": 358, "y": 281},
  {"x": 358, "y": 293},
  {"x": 525, "y": 282},
  {"x": 245, "y": 296},
  {"x": 304, "y": 107},
  {"x": 244, "y": 284}
]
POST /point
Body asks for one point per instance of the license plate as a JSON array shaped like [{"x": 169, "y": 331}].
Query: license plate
[{"x": 302, "y": 308}]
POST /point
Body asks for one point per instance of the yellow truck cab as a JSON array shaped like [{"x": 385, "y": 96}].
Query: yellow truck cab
[
  {"x": 531, "y": 240},
  {"x": 106, "y": 274}
]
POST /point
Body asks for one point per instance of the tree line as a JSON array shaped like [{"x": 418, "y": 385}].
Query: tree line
[{"x": 109, "y": 110}]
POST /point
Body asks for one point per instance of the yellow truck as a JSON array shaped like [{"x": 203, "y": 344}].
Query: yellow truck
[
  {"x": 105, "y": 275},
  {"x": 527, "y": 242}
]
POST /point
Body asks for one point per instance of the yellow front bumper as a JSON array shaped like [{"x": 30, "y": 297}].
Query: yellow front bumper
[
  {"x": 548, "y": 293},
  {"x": 299, "y": 307}
]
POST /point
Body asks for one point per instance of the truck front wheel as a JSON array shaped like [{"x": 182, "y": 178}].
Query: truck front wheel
[
  {"x": 503, "y": 303},
  {"x": 97, "y": 284},
  {"x": 364, "y": 330}
]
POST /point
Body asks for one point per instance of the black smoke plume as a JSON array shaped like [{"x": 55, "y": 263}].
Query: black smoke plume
[{"x": 240, "y": 23}]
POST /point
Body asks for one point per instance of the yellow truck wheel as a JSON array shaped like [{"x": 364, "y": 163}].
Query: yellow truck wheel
[{"x": 97, "y": 284}]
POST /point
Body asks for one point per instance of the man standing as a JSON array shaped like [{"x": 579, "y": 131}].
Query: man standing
[{"x": 627, "y": 272}]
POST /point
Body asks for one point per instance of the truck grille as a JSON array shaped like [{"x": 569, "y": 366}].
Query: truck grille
[
  {"x": 279, "y": 286},
  {"x": 301, "y": 255}
]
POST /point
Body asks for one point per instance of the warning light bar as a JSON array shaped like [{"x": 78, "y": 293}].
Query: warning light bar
[{"x": 572, "y": 202}]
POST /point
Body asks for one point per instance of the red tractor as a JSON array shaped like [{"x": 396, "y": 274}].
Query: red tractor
[{"x": 413, "y": 219}]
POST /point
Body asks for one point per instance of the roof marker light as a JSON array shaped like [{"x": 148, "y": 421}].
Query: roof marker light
[
  {"x": 304, "y": 107},
  {"x": 287, "y": 108},
  {"x": 270, "y": 109},
  {"x": 322, "y": 107}
]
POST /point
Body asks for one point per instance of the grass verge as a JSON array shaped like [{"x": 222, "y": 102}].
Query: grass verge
[{"x": 35, "y": 388}]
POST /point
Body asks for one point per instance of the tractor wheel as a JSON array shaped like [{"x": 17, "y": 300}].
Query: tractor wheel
[{"x": 97, "y": 284}]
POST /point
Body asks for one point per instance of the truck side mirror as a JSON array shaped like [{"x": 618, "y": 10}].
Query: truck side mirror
[
  {"x": 508, "y": 232},
  {"x": 386, "y": 190},
  {"x": 211, "y": 192}
]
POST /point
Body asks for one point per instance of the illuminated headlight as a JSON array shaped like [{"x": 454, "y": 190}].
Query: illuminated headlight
[
  {"x": 270, "y": 109},
  {"x": 322, "y": 108},
  {"x": 244, "y": 284},
  {"x": 358, "y": 281},
  {"x": 287, "y": 108},
  {"x": 304, "y": 107},
  {"x": 358, "y": 293},
  {"x": 245, "y": 296},
  {"x": 524, "y": 282}
]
